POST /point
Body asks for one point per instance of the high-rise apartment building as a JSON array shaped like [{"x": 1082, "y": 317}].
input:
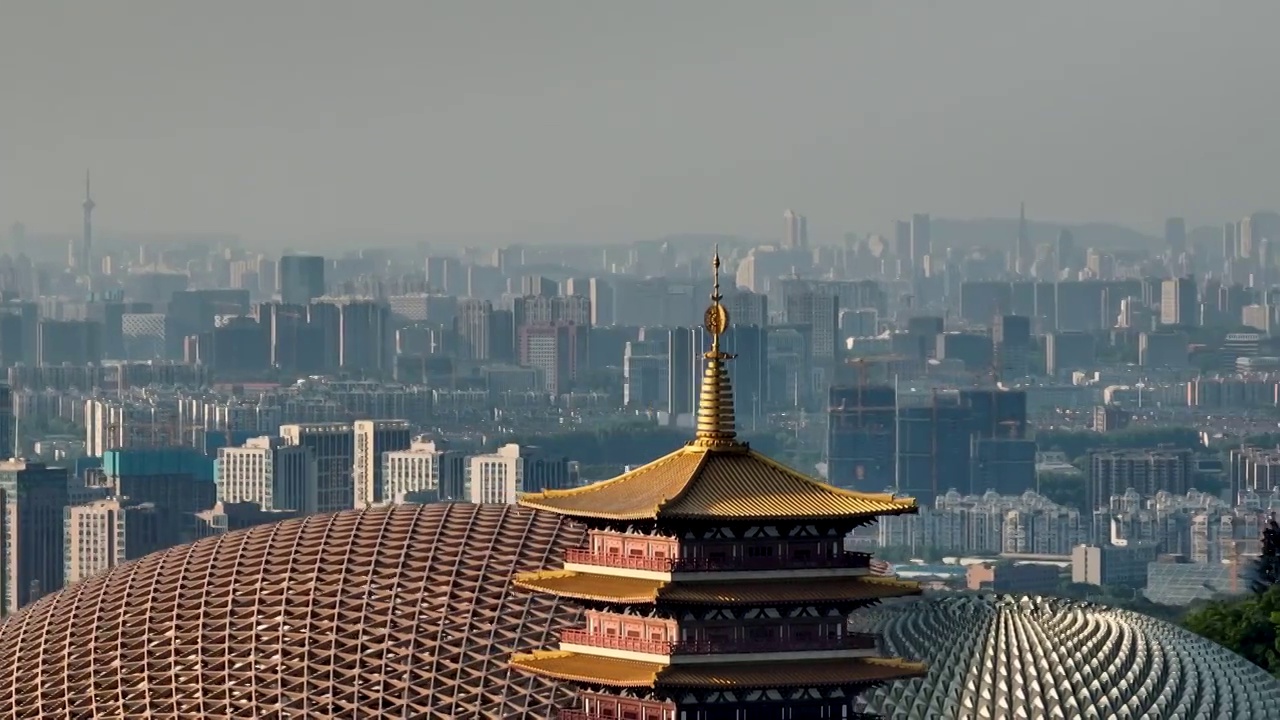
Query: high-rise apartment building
[
  {"x": 921, "y": 238},
  {"x": 373, "y": 439},
  {"x": 426, "y": 469},
  {"x": 796, "y": 235},
  {"x": 75, "y": 342},
  {"x": 1069, "y": 350},
  {"x": 1175, "y": 236},
  {"x": 33, "y": 497},
  {"x": 104, "y": 533},
  {"x": 474, "y": 328},
  {"x": 1179, "y": 302},
  {"x": 332, "y": 446},
  {"x": 301, "y": 278},
  {"x": 1148, "y": 472},
  {"x": 269, "y": 472},
  {"x": 513, "y": 470},
  {"x": 1011, "y": 337}
]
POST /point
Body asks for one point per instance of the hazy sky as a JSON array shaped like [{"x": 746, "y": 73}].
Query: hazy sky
[{"x": 621, "y": 120}]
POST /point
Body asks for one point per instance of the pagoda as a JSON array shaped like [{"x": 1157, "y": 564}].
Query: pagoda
[{"x": 715, "y": 582}]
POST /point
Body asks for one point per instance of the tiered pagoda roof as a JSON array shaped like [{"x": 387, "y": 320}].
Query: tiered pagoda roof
[
  {"x": 716, "y": 480},
  {"x": 716, "y": 476}
]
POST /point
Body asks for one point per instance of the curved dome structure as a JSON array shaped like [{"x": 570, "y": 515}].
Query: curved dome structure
[
  {"x": 1026, "y": 657},
  {"x": 400, "y": 612}
]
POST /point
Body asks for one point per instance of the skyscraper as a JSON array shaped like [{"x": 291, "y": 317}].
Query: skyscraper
[
  {"x": 797, "y": 230},
  {"x": 1020, "y": 263},
  {"x": 921, "y": 238},
  {"x": 86, "y": 243},
  {"x": 373, "y": 439},
  {"x": 1175, "y": 236},
  {"x": 1178, "y": 302},
  {"x": 331, "y": 444},
  {"x": 301, "y": 278},
  {"x": 32, "y": 499}
]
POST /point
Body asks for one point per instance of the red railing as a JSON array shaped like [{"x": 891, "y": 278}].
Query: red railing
[
  {"x": 614, "y": 642},
  {"x": 851, "y": 641},
  {"x": 630, "y": 562}
]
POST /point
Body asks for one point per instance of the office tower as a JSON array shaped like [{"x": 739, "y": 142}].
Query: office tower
[
  {"x": 1011, "y": 337},
  {"x": 270, "y": 473},
  {"x": 556, "y": 350},
  {"x": 1230, "y": 241},
  {"x": 1021, "y": 258},
  {"x": 513, "y": 470},
  {"x": 921, "y": 238},
  {"x": 821, "y": 312},
  {"x": 682, "y": 358},
  {"x": 332, "y": 446},
  {"x": 1162, "y": 350},
  {"x": 301, "y": 278},
  {"x": 364, "y": 338},
  {"x": 374, "y": 438},
  {"x": 1175, "y": 236},
  {"x": 473, "y": 327},
  {"x": 646, "y": 378},
  {"x": 1245, "y": 238},
  {"x": 797, "y": 231},
  {"x": 601, "y": 296},
  {"x": 551, "y": 310},
  {"x": 32, "y": 500},
  {"x": 8, "y": 430},
  {"x": 902, "y": 240},
  {"x": 428, "y": 470},
  {"x": 861, "y": 437},
  {"x": 104, "y": 533},
  {"x": 1179, "y": 302},
  {"x": 76, "y": 342},
  {"x": 747, "y": 308},
  {"x": 1065, "y": 251},
  {"x": 1065, "y": 351},
  {"x": 1113, "y": 472}
]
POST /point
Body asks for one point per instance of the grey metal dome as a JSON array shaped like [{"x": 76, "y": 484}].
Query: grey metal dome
[{"x": 1031, "y": 657}]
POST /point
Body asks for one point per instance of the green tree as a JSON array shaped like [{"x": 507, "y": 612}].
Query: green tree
[
  {"x": 1246, "y": 626},
  {"x": 1266, "y": 569}
]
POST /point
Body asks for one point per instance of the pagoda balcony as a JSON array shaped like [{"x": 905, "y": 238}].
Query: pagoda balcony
[
  {"x": 843, "y": 560},
  {"x": 850, "y": 641}
]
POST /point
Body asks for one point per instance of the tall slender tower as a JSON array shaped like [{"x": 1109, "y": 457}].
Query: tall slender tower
[
  {"x": 86, "y": 243},
  {"x": 1022, "y": 252}
]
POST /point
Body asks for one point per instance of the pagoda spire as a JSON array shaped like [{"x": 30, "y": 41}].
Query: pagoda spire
[{"x": 717, "y": 427}]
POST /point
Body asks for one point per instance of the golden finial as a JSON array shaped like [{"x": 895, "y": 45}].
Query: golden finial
[
  {"x": 716, "y": 319},
  {"x": 716, "y": 424}
]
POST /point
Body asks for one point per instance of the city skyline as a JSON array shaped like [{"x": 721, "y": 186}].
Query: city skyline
[{"x": 453, "y": 125}]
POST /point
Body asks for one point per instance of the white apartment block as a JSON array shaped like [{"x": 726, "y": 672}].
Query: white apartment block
[
  {"x": 497, "y": 477},
  {"x": 269, "y": 472},
  {"x": 95, "y": 539},
  {"x": 512, "y": 470},
  {"x": 101, "y": 534},
  {"x": 373, "y": 439},
  {"x": 426, "y": 467}
]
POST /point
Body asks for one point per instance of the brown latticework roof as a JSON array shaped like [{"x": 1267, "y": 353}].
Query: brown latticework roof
[{"x": 387, "y": 613}]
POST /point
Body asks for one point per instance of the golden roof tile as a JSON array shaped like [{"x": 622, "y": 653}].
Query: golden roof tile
[
  {"x": 614, "y": 589},
  {"x": 583, "y": 667},
  {"x": 578, "y": 667},
  {"x": 696, "y": 482}
]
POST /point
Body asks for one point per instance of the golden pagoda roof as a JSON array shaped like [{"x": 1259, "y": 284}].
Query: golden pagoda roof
[
  {"x": 715, "y": 483},
  {"x": 586, "y": 668},
  {"x": 624, "y": 590},
  {"x": 715, "y": 476}
]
